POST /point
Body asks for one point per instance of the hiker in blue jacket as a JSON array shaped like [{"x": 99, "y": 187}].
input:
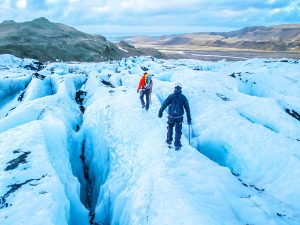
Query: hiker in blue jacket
[{"x": 176, "y": 102}]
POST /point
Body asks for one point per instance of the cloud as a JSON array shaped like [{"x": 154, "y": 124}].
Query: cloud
[
  {"x": 21, "y": 4},
  {"x": 181, "y": 13}
]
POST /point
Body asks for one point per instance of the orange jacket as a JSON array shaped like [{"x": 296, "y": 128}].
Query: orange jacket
[{"x": 143, "y": 83}]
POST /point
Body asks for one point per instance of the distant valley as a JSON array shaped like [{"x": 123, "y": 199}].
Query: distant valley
[{"x": 275, "y": 41}]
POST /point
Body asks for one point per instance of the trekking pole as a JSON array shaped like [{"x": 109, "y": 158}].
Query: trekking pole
[{"x": 189, "y": 134}]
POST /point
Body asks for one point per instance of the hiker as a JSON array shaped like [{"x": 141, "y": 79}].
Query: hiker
[
  {"x": 145, "y": 89},
  {"x": 176, "y": 102}
]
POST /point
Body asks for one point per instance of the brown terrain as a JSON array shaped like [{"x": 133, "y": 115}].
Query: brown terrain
[{"x": 281, "y": 41}]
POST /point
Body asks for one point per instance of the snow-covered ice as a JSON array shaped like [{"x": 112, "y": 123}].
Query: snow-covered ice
[{"x": 75, "y": 144}]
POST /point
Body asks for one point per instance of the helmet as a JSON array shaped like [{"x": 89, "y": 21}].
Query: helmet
[{"x": 178, "y": 85}]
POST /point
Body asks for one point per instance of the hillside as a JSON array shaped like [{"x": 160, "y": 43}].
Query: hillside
[
  {"x": 274, "y": 38},
  {"x": 46, "y": 41},
  {"x": 77, "y": 148}
]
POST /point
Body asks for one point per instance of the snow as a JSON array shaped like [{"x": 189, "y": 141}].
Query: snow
[
  {"x": 75, "y": 137},
  {"x": 10, "y": 61},
  {"x": 41, "y": 124},
  {"x": 40, "y": 194},
  {"x": 122, "y": 49}
]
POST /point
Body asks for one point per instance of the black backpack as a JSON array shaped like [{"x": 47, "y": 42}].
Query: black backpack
[{"x": 175, "y": 107}]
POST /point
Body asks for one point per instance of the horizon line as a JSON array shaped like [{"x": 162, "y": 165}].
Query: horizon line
[{"x": 113, "y": 30}]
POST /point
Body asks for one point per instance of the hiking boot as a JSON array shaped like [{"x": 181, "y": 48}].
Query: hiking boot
[
  {"x": 168, "y": 142},
  {"x": 177, "y": 148},
  {"x": 179, "y": 145}
]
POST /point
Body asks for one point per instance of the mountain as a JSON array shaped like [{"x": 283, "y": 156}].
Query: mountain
[
  {"x": 286, "y": 33},
  {"x": 76, "y": 147},
  {"x": 273, "y": 38},
  {"x": 46, "y": 41}
]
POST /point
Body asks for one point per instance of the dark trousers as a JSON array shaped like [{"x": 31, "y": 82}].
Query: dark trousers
[
  {"x": 177, "y": 122},
  {"x": 146, "y": 93}
]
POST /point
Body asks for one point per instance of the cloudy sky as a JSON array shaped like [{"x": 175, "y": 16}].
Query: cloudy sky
[{"x": 122, "y": 17}]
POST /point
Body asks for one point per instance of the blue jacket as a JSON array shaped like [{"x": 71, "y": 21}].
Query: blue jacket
[{"x": 183, "y": 102}]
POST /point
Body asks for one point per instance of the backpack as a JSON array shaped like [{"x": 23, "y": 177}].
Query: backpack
[
  {"x": 148, "y": 81},
  {"x": 175, "y": 107}
]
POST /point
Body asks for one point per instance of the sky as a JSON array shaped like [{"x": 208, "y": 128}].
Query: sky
[{"x": 154, "y": 17}]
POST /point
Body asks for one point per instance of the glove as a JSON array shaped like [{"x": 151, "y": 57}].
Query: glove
[
  {"x": 189, "y": 121},
  {"x": 137, "y": 91},
  {"x": 160, "y": 114}
]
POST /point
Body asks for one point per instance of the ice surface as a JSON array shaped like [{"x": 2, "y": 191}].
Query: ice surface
[{"x": 74, "y": 138}]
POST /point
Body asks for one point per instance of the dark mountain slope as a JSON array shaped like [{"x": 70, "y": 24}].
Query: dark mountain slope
[{"x": 46, "y": 41}]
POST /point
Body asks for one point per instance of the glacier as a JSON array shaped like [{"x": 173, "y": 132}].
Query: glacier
[{"x": 77, "y": 148}]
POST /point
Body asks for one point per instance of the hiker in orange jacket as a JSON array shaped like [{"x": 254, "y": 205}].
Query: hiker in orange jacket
[{"x": 145, "y": 89}]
